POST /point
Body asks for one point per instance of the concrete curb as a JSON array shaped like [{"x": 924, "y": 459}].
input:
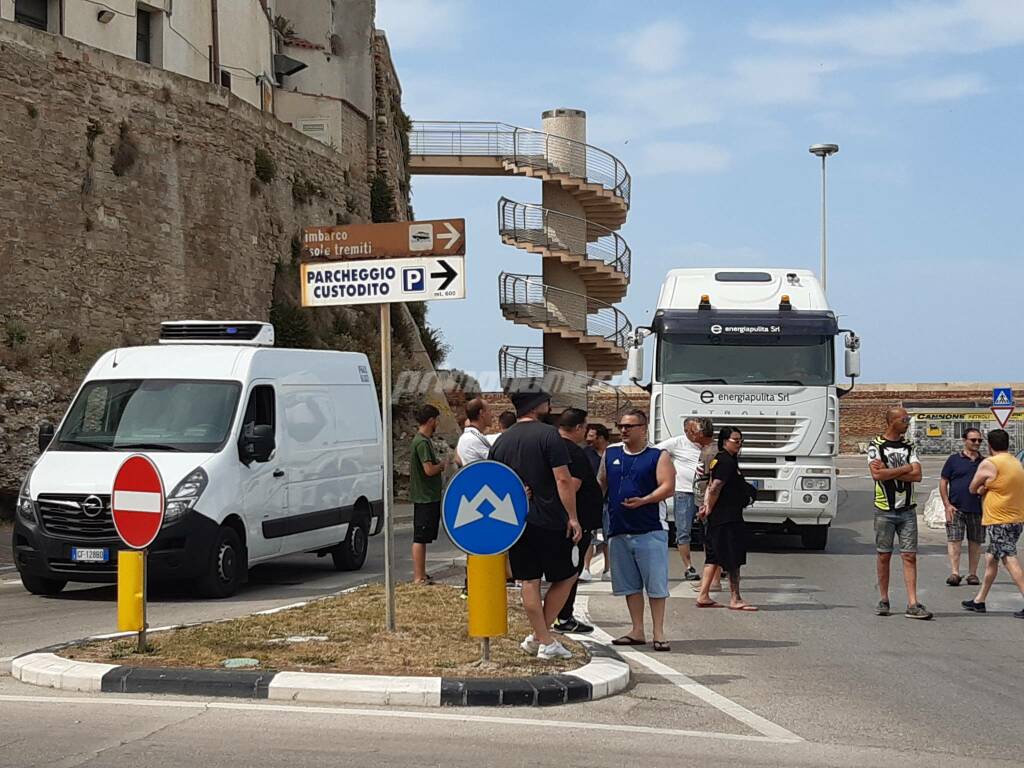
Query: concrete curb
[{"x": 605, "y": 675}]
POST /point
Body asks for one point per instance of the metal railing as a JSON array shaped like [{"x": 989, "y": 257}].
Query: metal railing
[
  {"x": 523, "y": 146},
  {"x": 526, "y": 222},
  {"x": 528, "y": 298},
  {"x": 600, "y": 399}
]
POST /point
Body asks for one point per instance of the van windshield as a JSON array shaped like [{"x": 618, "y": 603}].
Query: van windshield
[{"x": 150, "y": 414}]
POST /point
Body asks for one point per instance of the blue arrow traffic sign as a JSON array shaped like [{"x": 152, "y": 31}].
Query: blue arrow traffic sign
[
  {"x": 484, "y": 508},
  {"x": 1002, "y": 396}
]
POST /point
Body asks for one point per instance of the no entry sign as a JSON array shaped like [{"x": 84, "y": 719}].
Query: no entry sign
[{"x": 137, "y": 502}]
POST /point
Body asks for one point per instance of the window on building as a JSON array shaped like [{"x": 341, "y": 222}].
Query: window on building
[
  {"x": 225, "y": 79},
  {"x": 32, "y": 13},
  {"x": 143, "y": 35}
]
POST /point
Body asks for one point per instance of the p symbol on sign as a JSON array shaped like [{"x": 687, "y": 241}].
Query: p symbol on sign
[{"x": 413, "y": 279}]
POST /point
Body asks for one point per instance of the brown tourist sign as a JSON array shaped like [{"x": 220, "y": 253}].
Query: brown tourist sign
[{"x": 397, "y": 239}]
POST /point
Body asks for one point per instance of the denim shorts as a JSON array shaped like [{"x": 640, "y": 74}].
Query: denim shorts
[
  {"x": 640, "y": 562},
  {"x": 1003, "y": 538},
  {"x": 685, "y": 511},
  {"x": 889, "y": 525}
]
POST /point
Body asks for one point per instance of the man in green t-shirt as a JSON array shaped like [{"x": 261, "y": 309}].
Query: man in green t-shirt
[{"x": 426, "y": 482}]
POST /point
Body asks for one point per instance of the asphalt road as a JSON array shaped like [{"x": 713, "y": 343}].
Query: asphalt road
[{"x": 812, "y": 679}]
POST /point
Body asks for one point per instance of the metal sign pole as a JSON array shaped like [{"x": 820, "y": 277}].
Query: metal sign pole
[
  {"x": 389, "y": 527},
  {"x": 145, "y": 598}
]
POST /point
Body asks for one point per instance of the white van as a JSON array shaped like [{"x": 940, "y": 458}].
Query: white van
[{"x": 263, "y": 452}]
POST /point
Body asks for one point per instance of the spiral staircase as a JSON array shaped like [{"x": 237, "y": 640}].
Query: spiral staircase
[{"x": 585, "y": 262}]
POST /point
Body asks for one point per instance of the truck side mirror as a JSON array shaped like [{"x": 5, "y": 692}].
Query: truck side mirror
[
  {"x": 256, "y": 443},
  {"x": 635, "y": 364},
  {"x": 46, "y": 433},
  {"x": 852, "y": 363}
]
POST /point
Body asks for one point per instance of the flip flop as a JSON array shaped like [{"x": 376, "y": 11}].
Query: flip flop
[
  {"x": 748, "y": 608},
  {"x": 627, "y": 640},
  {"x": 662, "y": 645},
  {"x": 712, "y": 604}
]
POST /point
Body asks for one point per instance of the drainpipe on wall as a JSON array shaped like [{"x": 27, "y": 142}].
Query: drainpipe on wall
[{"x": 215, "y": 49}]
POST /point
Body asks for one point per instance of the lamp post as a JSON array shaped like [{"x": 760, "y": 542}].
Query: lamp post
[{"x": 823, "y": 151}]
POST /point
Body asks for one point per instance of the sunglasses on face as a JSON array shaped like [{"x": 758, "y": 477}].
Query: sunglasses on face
[
  {"x": 624, "y": 427},
  {"x": 736, "y": 440},
  {"x": 973, "y": 439}
]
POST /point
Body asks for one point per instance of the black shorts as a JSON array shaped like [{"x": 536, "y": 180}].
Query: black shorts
[
  {"x": 543, "y": 553},
  {"x": 726, "y": 545},
  {"x": 426, "y": 522}
]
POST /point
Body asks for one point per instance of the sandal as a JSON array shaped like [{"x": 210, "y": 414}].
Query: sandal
[
  {"x": 954, "y": 580},
  {"x": 662, "y": 645},
  {"x": 744, "y": 607},
  {"x": 973, "y": 581},
  {"x": 712, "y": 604},
  {"x": 627, "y": 640}
]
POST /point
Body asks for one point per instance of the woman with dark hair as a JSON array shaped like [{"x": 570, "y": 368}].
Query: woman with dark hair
[{"x": 726, "y": 496}]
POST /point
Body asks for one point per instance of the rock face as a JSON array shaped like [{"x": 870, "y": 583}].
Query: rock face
[{"x": 133, "y": 195}]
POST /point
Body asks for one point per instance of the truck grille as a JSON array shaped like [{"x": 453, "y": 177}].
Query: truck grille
[
  {"x": 776, "y": 434},
  {"x": 66, "y": 517}
]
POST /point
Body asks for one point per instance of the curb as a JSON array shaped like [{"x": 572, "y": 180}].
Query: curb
[{"x": 605, "y": 675}]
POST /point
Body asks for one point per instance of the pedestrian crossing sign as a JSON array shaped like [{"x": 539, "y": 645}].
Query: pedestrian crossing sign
[{"x": 1002, "y": 396}]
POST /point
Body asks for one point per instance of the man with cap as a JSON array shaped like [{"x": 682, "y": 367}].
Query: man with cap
[{"x": 538, "y": 454}]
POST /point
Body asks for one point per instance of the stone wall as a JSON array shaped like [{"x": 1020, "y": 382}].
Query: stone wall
[
  {"x": 130, "y": 195},
  {"x": 391, "y": 127}
]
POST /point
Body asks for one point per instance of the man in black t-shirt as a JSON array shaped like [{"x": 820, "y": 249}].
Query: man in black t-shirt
[
  {"x": 537, "y": 453},
  {"x": 572, "y": 426}
]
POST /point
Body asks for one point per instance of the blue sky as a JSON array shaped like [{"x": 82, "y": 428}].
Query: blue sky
[{"x": 712, "y": 106}]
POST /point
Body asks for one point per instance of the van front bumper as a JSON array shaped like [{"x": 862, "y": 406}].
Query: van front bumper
[{"x": 179, "y": 552}]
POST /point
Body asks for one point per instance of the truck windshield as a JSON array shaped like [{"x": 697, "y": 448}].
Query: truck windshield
[
  {"x": 151, "y": 415},
  {"x": 682, "y": 361}
]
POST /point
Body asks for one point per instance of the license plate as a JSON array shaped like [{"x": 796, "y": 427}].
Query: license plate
[{"x": 89, "y": 555}]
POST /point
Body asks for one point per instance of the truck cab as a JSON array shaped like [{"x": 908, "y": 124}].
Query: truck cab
[{"x": 754, "y": 349}]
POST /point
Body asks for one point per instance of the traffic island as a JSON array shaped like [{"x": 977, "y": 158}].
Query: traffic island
[{"x": 335, "y": 650}]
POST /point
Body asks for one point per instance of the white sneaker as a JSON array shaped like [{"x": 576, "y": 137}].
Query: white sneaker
[
  {"x": 530, "y": 645},
  {"x": 586, "y": 575},
  {"x": 606, "y": 576},
  {"x": 554, "y": 651}
]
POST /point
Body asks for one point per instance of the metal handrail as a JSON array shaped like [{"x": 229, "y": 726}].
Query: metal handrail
[
  {"x": 523, "y": 146},
  {"x": 526, "y": 222},
  {"x": 603, "y": 400},
  {"x": 528, "y": 297}
]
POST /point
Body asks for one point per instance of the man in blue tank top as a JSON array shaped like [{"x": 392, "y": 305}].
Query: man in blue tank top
[{"x": 638, "y": 478}]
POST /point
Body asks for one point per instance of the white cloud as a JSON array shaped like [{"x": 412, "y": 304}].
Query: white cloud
[
  {"x": 907, "y": 29},
  {"x": 656, "y": 47},
  {"x": 686, "y": 157},
  {"x": 771, "y": 80},
  {"x": 926, "y": 90},
  {"x": 420, "y": 23}
]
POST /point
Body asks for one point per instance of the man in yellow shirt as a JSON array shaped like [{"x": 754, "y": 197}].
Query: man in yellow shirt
[{"x": 1000, "y": 481}]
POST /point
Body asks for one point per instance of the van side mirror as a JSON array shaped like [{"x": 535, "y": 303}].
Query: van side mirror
[
  {"x": 46, "y": 433},
  {"x": 256, "y": 443},
  {"x": 852, "y": 363},
  {"x": 635, "y": 364}
]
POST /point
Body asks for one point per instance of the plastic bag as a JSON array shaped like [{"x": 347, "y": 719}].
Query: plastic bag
[{"x": 935, "y": 511}]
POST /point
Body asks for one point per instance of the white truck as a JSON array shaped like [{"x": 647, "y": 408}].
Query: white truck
[{"x": 754, "y": 349}]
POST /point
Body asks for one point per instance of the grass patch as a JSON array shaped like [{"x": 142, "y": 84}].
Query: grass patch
[{"x": 431, "y": 640}]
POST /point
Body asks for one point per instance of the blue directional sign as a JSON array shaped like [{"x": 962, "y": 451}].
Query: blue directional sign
[
  {"x": 1002, "y": 396},
  {"x": 484, "y": 508}
]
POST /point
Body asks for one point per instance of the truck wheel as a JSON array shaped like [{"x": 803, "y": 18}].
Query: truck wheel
[
  {"x": 38, "y": 585},
  {"x": 226, "y": 566},
  {"x": 351, "y": 553},
  {"x": 815, "y": 537}
]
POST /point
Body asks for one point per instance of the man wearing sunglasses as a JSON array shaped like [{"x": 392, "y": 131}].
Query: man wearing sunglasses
[
  {"x": 895, "y": 468},
  {"x": 963, "y": 508}
]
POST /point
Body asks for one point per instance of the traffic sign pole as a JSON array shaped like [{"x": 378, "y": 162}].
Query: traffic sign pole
[
  {"x": 487, "y": 599},
  {"x": 389, "y": 522}
]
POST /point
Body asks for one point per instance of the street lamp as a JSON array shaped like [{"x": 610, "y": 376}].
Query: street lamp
[{"x": 823, "y": 151}]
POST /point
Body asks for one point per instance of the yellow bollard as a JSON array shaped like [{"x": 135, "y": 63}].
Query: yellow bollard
[
  {"x": 488, "y": 601},
  {"x": 131, "y": 601}
]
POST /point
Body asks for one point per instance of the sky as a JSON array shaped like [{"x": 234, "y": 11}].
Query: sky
[{"x": 712, "y": 106}]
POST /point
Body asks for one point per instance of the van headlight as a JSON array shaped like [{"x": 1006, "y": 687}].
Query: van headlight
[
  {"x": 185, "y": 495},
  {"x": 816, "y": 483},
  {"x": 26, "y": 507}
]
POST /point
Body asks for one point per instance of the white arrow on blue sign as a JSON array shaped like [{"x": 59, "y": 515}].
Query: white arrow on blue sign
[
  {"x": 484, "y": 508},
  {"x": 1002, "y": 396}
]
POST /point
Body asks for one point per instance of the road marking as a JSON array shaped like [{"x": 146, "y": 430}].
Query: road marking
[
  {"x": 561, "y": 725},
  {"x": 765, "y": 727}
]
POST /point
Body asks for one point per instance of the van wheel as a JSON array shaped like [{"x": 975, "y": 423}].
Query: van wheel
[
  {"x": 816, "y": 537},
  {"x": 38, "y": 585},
  {"x": 351, "y": 553},
  {"x": 226, "y": 567}
]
